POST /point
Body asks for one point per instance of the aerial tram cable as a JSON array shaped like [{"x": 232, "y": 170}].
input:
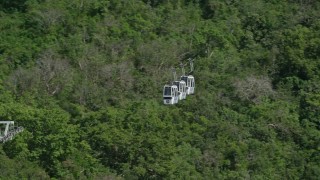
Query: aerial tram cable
[{"x": 179, "y": 89}]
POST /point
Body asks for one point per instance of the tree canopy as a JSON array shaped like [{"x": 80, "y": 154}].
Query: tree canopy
[{"x": 85, "y": 77}]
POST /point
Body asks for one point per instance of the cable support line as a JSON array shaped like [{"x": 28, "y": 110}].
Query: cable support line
[
  {"x": 182, "y": 69},
  {"x": 9, "y": 132},
  {"x": 182, "y": 65},
  {"x": 174, "y": 73}
]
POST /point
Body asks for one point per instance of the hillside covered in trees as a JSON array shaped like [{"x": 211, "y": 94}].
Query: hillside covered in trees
[{"x": 85, "y": 78}]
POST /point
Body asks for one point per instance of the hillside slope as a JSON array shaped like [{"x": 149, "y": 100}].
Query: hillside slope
[{"x": 85, "y": 77}]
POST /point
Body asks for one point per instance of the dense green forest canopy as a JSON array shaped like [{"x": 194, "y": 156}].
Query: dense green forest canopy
[{"x": 85, "y": 77}]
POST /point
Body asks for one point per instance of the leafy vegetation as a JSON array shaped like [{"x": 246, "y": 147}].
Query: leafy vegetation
[{"x": 84, "y": 78}]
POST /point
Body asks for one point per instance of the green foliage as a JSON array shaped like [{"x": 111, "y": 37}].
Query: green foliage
[
  {"x": 19, "y": 169},
  {"x": 84, "y": 78}
]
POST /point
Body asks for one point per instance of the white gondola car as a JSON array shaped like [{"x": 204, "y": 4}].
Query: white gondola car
[
  {"x": 170, "y": 94},
  {"x": 190, "y": 83},
  {"x": 182, "y": 88}
]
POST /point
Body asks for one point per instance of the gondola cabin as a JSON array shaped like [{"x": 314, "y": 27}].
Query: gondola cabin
[
  {"x": 190, "y": 83},
  {"x": 182, "y": 89},
  {"x": 170, "y": 94}
]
